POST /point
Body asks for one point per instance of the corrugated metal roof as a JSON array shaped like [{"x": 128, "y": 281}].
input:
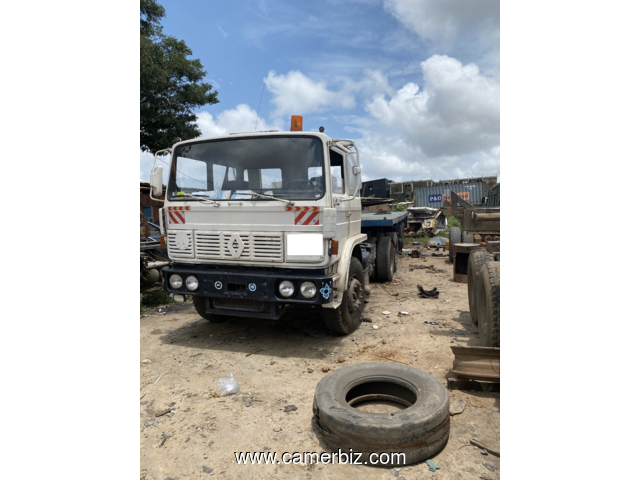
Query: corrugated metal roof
[{"x": 433, "y": 196}]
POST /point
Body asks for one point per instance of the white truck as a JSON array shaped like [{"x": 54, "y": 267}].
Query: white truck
[{"x": 255, "y": 222}]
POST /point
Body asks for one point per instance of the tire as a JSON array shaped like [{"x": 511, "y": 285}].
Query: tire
[
  {"x": 467, "y": 237},
  {"x": 394, "y": 238},
  {"x": 386, "y": 260},
  {"x": 374, "y": 241},
  {"x": 488, "y": 306},
  {"x": 396, "y": 246},
  {"x": 348, "y": 316},
  {"x": 419, "y": 431},
  {"x": 477, "y": 258},
  {"x": 455, "y": 236},
  {"x": 201, "y": 307}
]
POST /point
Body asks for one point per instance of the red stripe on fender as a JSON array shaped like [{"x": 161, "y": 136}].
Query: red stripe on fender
[
  {"x": 172, "y": 217},
  {"x": 298, "y": 218},
  {"x": 180, "y": 216},
  {"x": 311, "y": 217}
]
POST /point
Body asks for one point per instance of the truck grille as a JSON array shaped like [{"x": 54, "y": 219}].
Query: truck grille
[
  {"x": 180, "y": 251},
  {"x": 240, "y": 304},
  {"x": 242, "y": 246}
]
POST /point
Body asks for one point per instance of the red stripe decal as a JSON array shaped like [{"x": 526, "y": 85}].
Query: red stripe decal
[
  {"x": 180, "y": 216},
  {"x": 299, "y": 217},
  {"x": 288, "y": 209},
  {"x": 172, "y": 217},
  {"x": 311, "y": 217}
]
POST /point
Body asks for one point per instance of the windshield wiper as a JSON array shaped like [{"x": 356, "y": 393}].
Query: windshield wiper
[
  {"x": 270, "y": 197},
  {"x": 201, "y": 200}
]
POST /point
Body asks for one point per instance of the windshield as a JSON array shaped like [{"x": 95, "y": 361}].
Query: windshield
[{"x": 230, "y": 169}]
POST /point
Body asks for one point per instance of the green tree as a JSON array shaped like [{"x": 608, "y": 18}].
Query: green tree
[{"x": 171, "y": 85}]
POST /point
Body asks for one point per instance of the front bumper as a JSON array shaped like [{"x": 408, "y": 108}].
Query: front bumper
[{"x": 249, "y": 292}]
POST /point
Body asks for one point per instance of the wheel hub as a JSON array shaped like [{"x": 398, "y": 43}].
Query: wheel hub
[{"x": 354, "y": 295}]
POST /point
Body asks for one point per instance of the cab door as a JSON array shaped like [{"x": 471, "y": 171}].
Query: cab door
[{"x": 347, "y": 211}]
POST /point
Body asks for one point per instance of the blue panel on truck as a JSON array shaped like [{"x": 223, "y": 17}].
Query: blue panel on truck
[{"x": 384, "y": 220}]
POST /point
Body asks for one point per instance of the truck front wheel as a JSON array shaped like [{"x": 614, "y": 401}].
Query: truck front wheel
[
  {"x": 348, "y": 316},
  {"x": 201, "y": 307}
]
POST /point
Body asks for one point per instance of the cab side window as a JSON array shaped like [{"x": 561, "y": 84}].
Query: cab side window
[{"x": 337, "y": 172}]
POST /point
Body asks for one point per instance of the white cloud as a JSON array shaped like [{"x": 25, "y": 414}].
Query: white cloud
[
  {"x": 456, "y": 113},
  {"x": 391, "y": 156},
  {"x": 296, "y": 94},
  {"x": 449, "y": 22},
  {"x": 373, "y": 82},
  {"x": 237, "y": 120},
  {"x": 224, "y": 34}
]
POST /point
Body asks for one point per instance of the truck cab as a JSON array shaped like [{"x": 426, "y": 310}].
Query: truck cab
[{"x": 258, "y": 221}]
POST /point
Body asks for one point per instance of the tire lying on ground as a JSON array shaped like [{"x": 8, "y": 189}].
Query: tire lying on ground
[
  {"x": 455, "y": 236},
  {"x": 488, "y": 305},
  {"x": 419, "y": 431},
  {"x": 477, "y": 258}
]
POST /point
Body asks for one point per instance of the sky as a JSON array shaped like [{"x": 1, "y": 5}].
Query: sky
[{"x": 415, "y": 83}]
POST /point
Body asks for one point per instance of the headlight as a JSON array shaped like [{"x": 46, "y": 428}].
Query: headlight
[
  {"x": 192, "y": 283},
  {"x": 175, "y": 281},
  {"x": 286, "y": 289},
  {"x": 308, "y": 290}
]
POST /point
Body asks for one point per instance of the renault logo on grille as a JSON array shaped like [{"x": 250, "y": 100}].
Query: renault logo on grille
[{"x": 235, "y": 245}]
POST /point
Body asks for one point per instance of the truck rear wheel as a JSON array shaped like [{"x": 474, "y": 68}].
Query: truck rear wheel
[
  {"x": 386, "y": 263},
  {"x": 489, "y": 304},
  {"x": 348, "y": 316},
  {"x": 455, "y": 236},
  {"x": 477, "y": 258},
  {"x": 201, "y": 307}
]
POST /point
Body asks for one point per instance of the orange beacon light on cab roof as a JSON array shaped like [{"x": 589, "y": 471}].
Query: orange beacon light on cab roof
[{"x": 296, "y": 123}]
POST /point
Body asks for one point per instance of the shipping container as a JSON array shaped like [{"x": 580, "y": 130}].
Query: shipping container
[
  {"x": 493, "y": 197},
  {"x": 433, "y": 196},
  {"x": 377, "y": 188}
]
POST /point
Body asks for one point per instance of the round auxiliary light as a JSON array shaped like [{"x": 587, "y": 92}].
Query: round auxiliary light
[
  {"x": 286, "y": 289},
  {"x": 192, "y": 283},
  {"x": 175, "y": 281},
  {"x": 308, "y": 290}
]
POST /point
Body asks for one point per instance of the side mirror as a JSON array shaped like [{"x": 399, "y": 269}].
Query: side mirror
[
  {"x": 156, "y": 182},
  {"x": 354, "y": 177}
]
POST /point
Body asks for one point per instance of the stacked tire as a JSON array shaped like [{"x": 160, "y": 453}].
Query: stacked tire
[
  {"x": 488, "y": 304},
  {"x": 477, "y": 259},
  {"x": 467, "y": 237}
]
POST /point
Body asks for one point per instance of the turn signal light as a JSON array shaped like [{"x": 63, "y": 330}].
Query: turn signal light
[
  {"x": 335, "y": 244},
  {"x": 163, "y": 242},
  {"x": 296, "y": 123}
]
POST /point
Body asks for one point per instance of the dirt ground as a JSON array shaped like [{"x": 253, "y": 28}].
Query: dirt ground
[{"x": 198, "y": 437}]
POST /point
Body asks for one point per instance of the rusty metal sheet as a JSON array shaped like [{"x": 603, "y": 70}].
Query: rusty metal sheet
[{"x": 476, "y": 363}]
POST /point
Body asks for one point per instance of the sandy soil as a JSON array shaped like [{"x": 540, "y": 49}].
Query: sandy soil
[{"x": 272, "y": 361}]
